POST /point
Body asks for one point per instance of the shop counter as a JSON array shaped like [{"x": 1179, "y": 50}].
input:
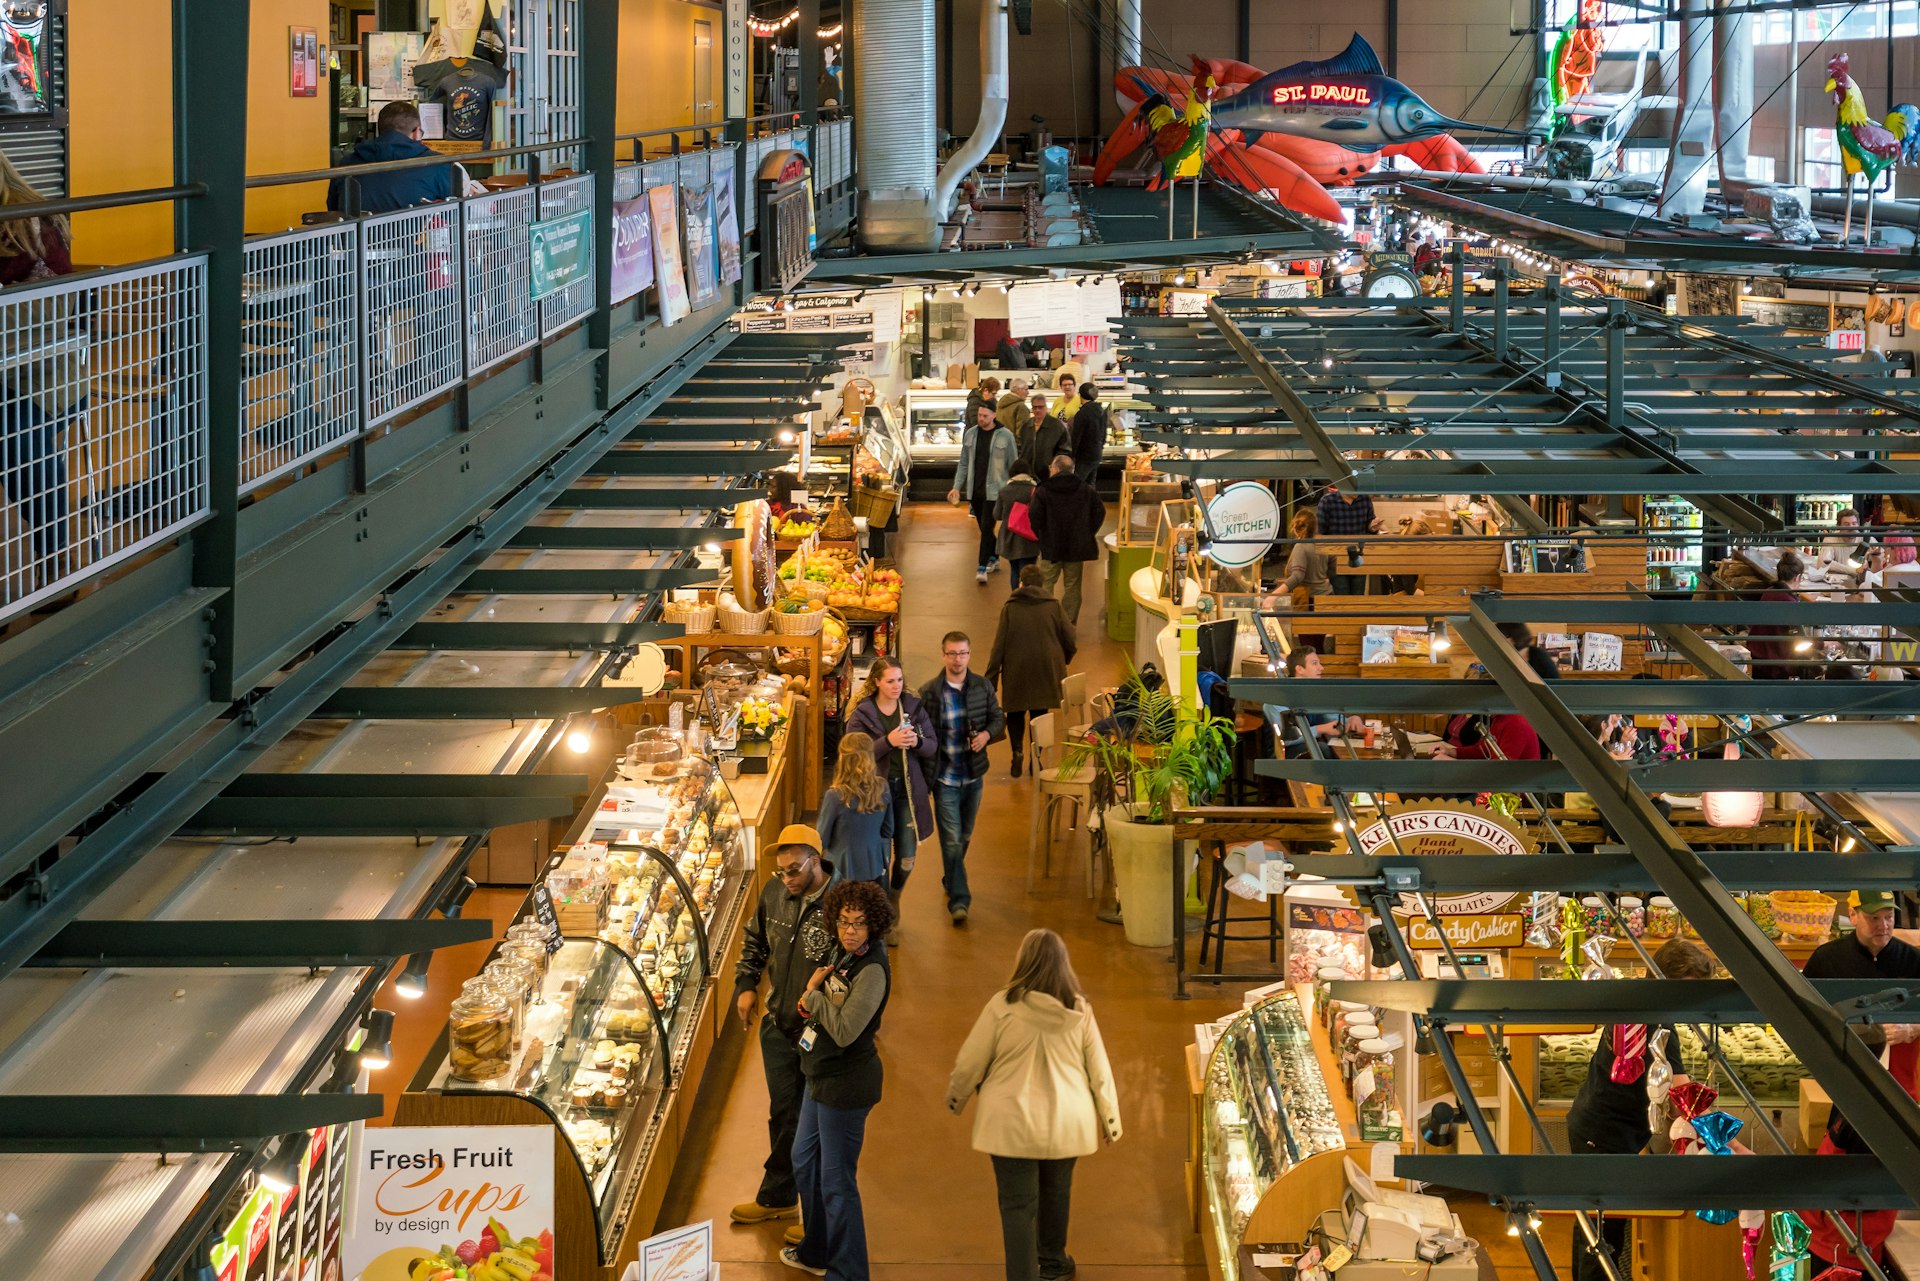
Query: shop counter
[{"x": 1124, "y": 560}]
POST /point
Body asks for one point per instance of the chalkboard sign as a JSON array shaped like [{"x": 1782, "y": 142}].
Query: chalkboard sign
[
  {"x": 1811, "y": 317},
  {"x": 548, "y": 918}
]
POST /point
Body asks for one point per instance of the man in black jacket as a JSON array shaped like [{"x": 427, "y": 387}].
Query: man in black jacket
[
  {"x": 398, "y": 139},
  {"x": 966, "y": 717},
  {"x": 1087, "y": 437},
  {"x": 786, "y": 940},
  {"x": 1046, "y": 437},
  {"x": 1066, "y": 516}
]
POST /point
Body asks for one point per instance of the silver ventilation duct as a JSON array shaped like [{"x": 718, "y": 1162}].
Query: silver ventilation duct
[
  {"x": 985, "y": 138},
  {"x": 893, "y": 48},
  {"x": 1733, "y": 98},
  {"x": 1684, "y": 192}
]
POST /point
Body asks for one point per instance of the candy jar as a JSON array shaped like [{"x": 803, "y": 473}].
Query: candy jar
[{"x": 480, "y": 1032}]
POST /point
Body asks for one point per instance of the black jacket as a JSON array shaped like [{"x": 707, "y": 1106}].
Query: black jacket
[
  {"x": 1045, "y": 439},
  {"x": 1067, "y": 516},
  {"x": 385, "y": 192},
  {"x": 785, "y": 941},
  {"x": 983, "y": 713},
  {"x": 1087, "y": 440}
]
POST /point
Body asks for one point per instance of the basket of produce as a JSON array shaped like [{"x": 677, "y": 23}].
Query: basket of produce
[
  {"x": 794, "y": 526},
  {"x": 799, "y": 616},
  {"x": 809, "y": 589},
  {"x": 875, "y": 504},
  {"x": 1804, "y": 916},
  {"x": 695, "y": 616},
  {"x": 742, "y": 622},
  {"x": 839, "y": 524}
]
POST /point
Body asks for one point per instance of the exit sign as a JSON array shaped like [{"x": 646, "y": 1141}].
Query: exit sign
[
  {"x": 1847, "y": 340},
  {"x": 1088, "y": 344}
]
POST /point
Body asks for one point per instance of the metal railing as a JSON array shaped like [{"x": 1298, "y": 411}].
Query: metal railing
[
  {"x": 411, "y": 283},
  {"x": 502, "y": 320},
  {"x": 103, "y": 437},
  {"x": 575, "y": 301},
  {"x": 300, "y": 350}
]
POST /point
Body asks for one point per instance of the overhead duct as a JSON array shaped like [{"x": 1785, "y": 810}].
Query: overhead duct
[
  {"x": 1684, "y": 192},
  {"x": 1732, "y": 99},
  {"x": 985, "y": 138},
  {"x": 893, "y": 47}
]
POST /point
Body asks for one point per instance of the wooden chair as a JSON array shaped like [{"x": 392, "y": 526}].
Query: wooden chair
[
  {"x": 1073, "y": 704},
  {"x": 1050, "y": 791}
]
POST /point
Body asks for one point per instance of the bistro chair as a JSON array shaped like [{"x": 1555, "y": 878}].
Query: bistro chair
[{"x": 1050, "y": 792}]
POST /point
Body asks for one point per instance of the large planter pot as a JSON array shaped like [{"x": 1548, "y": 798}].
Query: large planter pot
[{"x": 1143, "y": 867}]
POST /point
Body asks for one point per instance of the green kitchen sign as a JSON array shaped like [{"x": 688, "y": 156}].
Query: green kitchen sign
[{"x": 562, "y": 252}]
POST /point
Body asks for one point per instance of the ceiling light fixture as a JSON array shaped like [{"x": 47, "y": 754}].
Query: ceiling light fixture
[
  {"x": 456, "y": 897},
  {"x": 282, "y": 1174},
  {"x": 412, "y": 983},
  {"x": 580, "y": 738},
  {"x": 376, "y": 1052}
]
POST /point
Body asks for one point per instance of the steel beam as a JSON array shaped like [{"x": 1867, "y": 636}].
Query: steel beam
[
  {"x": 620, "y": 538},
  {"x": 469, "y": 702},
  {"x": 1633, "y": 611},
  {"x": 689, "y": 462},
  {"x": 211, "y": 944},
  {"x": 1333, "y": 464},
  {"x": 1607, "y": 873},
  {"x": 1133, "y": 254},
  {"x": 169, "y": 1122},
  {"x": 1483, "y": 1002},
  {"x": 1636, "y": 1183},
  {"x": 560, "y": 636},
  {"x": 582, "y": 582},
  {"x": 1702, "y": 697},
  {"x": 273, "y": 804},
  {"x": 1840, "y": 1061},
  {"x": 655, "y": 500},
  {"x": 1748, "y": 774}
]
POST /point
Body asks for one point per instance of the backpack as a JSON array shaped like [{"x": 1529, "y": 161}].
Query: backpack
[{"x": 1020, "y": 521}]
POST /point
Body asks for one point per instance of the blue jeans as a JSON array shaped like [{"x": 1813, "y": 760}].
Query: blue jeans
[
  {"x": 905, "y": 841},
  {"x": 955, "y": 806},
  {"x": 33, "y": 470},
  {"x": 826, "y": 1165}
]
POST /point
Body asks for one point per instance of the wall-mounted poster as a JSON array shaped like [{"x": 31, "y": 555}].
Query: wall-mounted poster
[
  {"x": 700, "y": 244},
  {"x": 729, "y": 225},
  {"x": 669, "y": 273},
  {"x": 391, "y": 56},
  {"x": 632, "y": 248},
  {"x": 303, "y": 62},
  {"x": 425, "y": 1200},
  {"x": 26, "y": 51}
]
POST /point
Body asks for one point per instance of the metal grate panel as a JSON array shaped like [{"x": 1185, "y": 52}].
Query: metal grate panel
[
  {"x": 414, "y": 317},
  {"x": 502, "y": 317},
  {"x": 103, "y": 435},
  {"x": 300, "y": 350},
  {"x": 575, "y": 302}
]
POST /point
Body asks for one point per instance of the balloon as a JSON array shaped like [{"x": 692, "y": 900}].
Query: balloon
[
  {"x": 1573, "y": 933},
  {"x": 1717, "y": 1131},
  {"x": 1597, "y": 950},
  {"x": 1692, "y": 1099},
  {"x": 1749, "y": 1241}
]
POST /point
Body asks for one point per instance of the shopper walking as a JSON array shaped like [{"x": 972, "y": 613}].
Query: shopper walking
[
  {"x": 1046, "y": 1098},
  {"x": 904, "y": 744},
  {"x": 843, "y": 1002},
  {"x": 1031, "y": 650},
  {"x": 1047, "y": 437},
  {"x": 986, "y": 393},
  {"x": 987, "y": 455},
  {"x": 966, "y": 717},
  {"x": 856, "y": 820},
  {"x": 1066, "y": 515},
  {"x": 1013, "y": 411},
  {"x": 786, "y": 940},
  {"x": 1087, "y": 437},
  {"x": 1013, "y": 512},
  {"x": 1609, "y": 1114}
]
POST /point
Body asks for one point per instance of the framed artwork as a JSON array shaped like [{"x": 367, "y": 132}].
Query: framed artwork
[
  {"x": 26, "y": 57},
  {"x": 303, "y": 62}
]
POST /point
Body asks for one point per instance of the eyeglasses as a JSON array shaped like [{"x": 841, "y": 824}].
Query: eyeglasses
[
  {"x": 850, "y": 923},
  {"x": 956, "y": 653},
  {"x": 798, "y": 869}
]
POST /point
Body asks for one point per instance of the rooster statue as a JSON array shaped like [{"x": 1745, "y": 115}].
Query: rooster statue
[
  {"x": 1180, "y": 141},
  {"x": 1866, "y": 146}
]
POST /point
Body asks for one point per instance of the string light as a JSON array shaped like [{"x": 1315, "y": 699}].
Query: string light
[{"x": 764, "y": 29}]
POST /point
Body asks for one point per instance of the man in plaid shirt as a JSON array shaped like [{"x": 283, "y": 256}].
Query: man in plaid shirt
[{"x": 1345, "y": 515}]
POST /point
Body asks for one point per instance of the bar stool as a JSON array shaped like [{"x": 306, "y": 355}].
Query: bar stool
[
  {"x": 1217, "y": 925},
  {"x": 1050, "y": 791}
]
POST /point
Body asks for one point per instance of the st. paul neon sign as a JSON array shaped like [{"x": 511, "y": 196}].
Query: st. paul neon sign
[{"x": 1346, "y": 95}]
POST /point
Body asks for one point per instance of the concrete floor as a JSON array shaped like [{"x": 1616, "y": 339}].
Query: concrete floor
[{"x": 929, "y": 1198}]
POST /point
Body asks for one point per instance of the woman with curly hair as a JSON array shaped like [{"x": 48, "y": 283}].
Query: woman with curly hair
[{"x": 842, "y": 1004}]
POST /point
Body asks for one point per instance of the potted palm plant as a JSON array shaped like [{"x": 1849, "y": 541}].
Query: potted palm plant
[{"x": 1168, "y": 757}]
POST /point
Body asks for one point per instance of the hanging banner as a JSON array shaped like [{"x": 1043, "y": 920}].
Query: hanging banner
[
  {"x": 1242, "y": 522},
  {"x": 728, "y": 225},
  {"x": 700, "y": 243},
  {"x": 562, "y": 252},
  {"x": 668, "y": 271},
  {"x": 459, "y": 1196},
  {"x": 739, "y": 48},
  {"x": 632, "y": 248}
]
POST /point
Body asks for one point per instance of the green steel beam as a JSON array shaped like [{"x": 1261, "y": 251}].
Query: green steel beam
[
  {"x": 178, "y": 1123},
  {"x": 653, "y": 500},
  {"x": 214, "y": 944},
  {"x": 1597, "y": 476},
  {"x": 557, "y": 635},
  {"x": 609, "y": 582},
  {"x": 1601, "y": 872},
  {"x": 1444, "y": 697},
  {"x": 743, "y": 407},
  {"x": 1748, "y": 774},
  {"x": 469, "y": 702},
  {"x": 1333, "y": 464},
  {"x": 1635, "y": 1183},
  {"x": 652, "y": 429},
  {"x": 1698, "y": 613},
  {"x": 690, "y": 462},
  {"x": 328, "y": 786},
  {"x": 620, "y": 538},
  {"x": 373, "y": 815},
  {"x": 1133, "y": 253},
  {"x": 1480, "y": 1002}
]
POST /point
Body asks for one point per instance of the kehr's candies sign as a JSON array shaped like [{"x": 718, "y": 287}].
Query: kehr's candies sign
[{"x": 440, "y": 1203}]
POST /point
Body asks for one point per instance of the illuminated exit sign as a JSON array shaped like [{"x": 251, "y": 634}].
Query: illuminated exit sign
[
  {"x": 1847, "y": 340},
  {"x": 1347, "y": 95}
]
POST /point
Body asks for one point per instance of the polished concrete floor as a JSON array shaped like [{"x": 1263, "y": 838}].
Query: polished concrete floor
[{"x": 930, "y": 1208}]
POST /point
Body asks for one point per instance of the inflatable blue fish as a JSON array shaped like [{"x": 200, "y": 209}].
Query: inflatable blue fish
[{"x": 1348, "y": 100}]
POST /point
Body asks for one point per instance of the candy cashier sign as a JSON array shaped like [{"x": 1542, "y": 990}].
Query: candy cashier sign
[{"x": 443, "y": 1203}]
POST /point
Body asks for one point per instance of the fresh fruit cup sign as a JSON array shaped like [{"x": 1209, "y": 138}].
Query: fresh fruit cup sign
[{"x": 445, "y": 1203}]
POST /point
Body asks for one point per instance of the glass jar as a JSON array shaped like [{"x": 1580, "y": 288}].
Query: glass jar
[
  {"x": 1337, "y": 1008},
  {"x": 1635, "y": 912},
  {"x": 516, "y": 982},
  {"x": 1322, "y": 993},
  {"x": 1375, "y": 1101},
  {"x": 1663, "y": 919},
  {"x": 1594, "y": 910},
  {"x": 1760, "y": 908},
  {"x": 480, "y": 1033},
  {"x": 1352, "y": 1037},
  {"x": 534, "y": 952}
]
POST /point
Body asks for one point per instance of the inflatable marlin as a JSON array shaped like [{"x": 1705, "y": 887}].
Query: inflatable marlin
[{"x": 1349, "y": 100}]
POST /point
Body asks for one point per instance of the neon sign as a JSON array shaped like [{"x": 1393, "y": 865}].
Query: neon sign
[{"x": 1348, "y": 95}]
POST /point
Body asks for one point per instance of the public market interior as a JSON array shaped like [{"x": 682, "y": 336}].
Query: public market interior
[{"x": 528, "y": 528}]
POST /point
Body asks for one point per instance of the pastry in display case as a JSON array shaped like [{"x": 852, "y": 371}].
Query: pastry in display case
[
  {"x": 1266, "y": 1112},
  {"x": 1768, "y": 1067},
  {"x": 935, "y": 423}
]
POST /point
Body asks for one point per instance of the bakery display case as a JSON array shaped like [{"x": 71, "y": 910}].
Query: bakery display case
[
  {"x": 935, "y": 422},
  {"x": 885, "y": 451},
  {"x": 1271, "y": 1140}
]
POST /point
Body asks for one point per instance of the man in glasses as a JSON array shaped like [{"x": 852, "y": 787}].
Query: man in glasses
[
  {"x": 966, "y": 717},
  {"x": 786, "y": 941}
]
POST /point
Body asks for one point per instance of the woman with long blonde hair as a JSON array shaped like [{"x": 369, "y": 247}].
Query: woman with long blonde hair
[
  {"x": 44, "y": 392},
  {"x": 1036, "y": 1059},
  {"x": 856, "y": 822},
  {"x": 904, "y": 742},
  {"x": 30, "y": 248}
]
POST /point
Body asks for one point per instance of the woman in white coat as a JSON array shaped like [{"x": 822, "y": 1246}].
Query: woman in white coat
[{"x": 1046, "y": 1097}]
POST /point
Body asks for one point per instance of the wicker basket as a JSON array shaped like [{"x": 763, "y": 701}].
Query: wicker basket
[
  {"x": 692, "y": 615},
  {"x": 739, "y": 622},
  {"x": 1803, "y": 915},
  {"x": 875, "y": 504},
  {"x": 861, "y": 614},
  {"x": 815, "y": 591},
  {"x": 838, "y": 526},
  {"x": 807, "y": 624}
]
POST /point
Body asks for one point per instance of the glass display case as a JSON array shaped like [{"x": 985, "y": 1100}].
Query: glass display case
[
  {"x": 1265, "y": 1110},
  {"x": 591, "y": 1050},
  {"x": 935, "y": 424},
  {"x": 1675, "y": 550},
  {"x": 884, "y": 451}
]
